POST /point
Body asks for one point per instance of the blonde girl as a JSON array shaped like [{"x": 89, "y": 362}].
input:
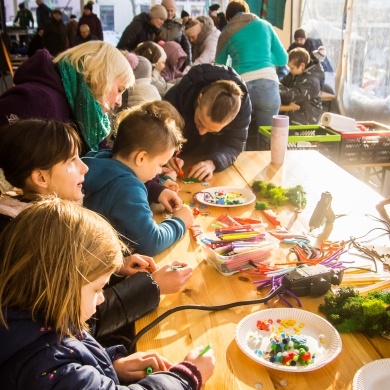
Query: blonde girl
[{"x": 50, "y": 283}]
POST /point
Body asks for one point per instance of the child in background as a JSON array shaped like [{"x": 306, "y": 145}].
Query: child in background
[
  {"x": 41, "y": 157},
  {"x": 157, "y": 57},
  {"x": 143, "y": 90},
  {"x": 176, "y": 58},
  {"x": 303, "y": 87},
  {"x": 147, "y": 137},
  {"x": 50, "y": 287}
]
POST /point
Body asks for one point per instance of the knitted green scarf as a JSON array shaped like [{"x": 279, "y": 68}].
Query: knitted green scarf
[{"x": 93, "y": 124}]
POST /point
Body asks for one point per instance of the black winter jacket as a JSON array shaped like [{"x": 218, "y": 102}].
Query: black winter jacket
[
  {"x": 138, "y": 31},
  {"x": 304, "y": 90},
  {"x": 223, "y": 147}
]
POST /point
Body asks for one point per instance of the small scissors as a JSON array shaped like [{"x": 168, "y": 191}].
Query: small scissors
[{"x": 328, "y": 245}]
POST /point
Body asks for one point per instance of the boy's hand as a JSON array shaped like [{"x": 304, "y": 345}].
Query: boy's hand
[
  {"x": 172, "y": 185},
  {"x": 170, "y": 200}
]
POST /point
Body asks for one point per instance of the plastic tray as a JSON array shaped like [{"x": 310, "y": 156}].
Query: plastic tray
[
  {"x": 362, "y": 147},
  {"x": 228, "y": 265},
  {"x": 303, "y": 137}
]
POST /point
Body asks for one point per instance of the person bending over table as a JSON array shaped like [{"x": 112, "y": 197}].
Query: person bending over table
[{"x": 215, "y": 105}]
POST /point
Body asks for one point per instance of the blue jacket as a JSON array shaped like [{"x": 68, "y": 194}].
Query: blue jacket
[
  {"x": 224, "y": 147},
  {"x": 113, "y": 190},
  {"x": 32, "y": 357}
]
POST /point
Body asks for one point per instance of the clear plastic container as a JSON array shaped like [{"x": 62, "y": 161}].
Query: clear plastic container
[{"x": 228, "y": 265}]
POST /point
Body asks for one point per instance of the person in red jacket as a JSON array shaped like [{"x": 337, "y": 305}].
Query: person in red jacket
[{"x": 93, "y": 22}]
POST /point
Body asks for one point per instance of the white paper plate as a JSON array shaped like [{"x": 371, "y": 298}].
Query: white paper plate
[
  {"x": 373, "y": 376},
  {"x": 314, "y": 326},
  {"x": 244, "y": 195}
]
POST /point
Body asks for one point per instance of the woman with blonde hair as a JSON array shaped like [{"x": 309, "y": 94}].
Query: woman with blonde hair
[
  {"x": 81, "y": 86},
  {"x": 50, "y": 287}
]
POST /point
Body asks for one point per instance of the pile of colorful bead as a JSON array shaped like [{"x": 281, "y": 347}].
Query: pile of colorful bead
[
  {"x": 282, "y": 347},
  {"x": 221, "y": 198}
]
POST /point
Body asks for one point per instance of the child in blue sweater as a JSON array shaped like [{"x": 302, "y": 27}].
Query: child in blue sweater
[{"x": 147, "y": 137}]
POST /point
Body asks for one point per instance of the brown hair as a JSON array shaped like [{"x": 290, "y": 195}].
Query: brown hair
[
  {"x": 150, "y": 50},
  {"x": 234, "y": 7},
  {"x": 298, "y": 56},
  {"x": 222, "y": 99},
  {"x": 47, "y": 254},
  {"x": 151, "y": 126},
  {"x": 32, "y": 144}
]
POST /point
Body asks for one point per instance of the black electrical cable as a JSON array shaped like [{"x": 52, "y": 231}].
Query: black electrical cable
[{"x": 201, "y": 307}]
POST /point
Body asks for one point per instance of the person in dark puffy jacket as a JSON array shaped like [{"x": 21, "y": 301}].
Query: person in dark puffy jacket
[
  {"x": 50, "y": 287},
  {"x": 215, "y": 105},
  {"x": 303, "y": 86},
  {"x": 144, "y": 27}
]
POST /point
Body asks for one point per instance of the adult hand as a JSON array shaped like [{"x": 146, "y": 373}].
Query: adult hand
[
  {"x": 170, "y": 200},
  {"x": 176, "y": 164},
  {"x": 136, "y": 263},
  {"x": 133, "y": 367},
  {"x": 205, "y": 363},
  {"x": 172, "y": 280},
  {"x": 202, "y": 170},
  {"x": 168, "y": 171}
]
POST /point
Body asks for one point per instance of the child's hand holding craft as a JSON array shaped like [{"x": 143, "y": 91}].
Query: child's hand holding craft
[
  {"x": 136, "y": 263},
  {"x": 170, "y": 200},
  {"x": 172, "y": 280},
  {"x": 185, "y": 214}
]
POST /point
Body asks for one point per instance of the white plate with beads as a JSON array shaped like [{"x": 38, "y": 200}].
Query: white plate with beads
[
  {"x": 319, "y": 337},
  {"x": 225, "y": 196}
]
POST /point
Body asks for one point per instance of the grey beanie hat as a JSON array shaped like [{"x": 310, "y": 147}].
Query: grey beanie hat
[
  {"x": 158, "y": 11},
  {"x": 143, "y": 69}
]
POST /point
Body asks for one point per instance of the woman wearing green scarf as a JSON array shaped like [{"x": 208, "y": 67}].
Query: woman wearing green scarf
[{"x": 79, "y": 86}]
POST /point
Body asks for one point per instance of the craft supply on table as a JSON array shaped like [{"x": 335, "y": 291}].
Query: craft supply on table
[
  {"x": 233, "y": 252},
  {"x": 205, "y": 350},
  {"x": 279, "y": 138},
  {"x": 225, "y": 196},
  {"x": 288, "y": 339}
]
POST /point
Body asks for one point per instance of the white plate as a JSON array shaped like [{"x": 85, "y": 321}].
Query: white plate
[
  {"x": 314, "y": 326},
  {"x": 373, "y": 376},
  {"x": 245, "y": 195}
]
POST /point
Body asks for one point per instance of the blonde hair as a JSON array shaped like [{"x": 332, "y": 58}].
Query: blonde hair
[
  {"x": 47, "y": 254},
  {"x": 101, "y": 65}
]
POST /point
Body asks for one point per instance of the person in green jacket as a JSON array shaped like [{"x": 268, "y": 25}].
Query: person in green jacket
[{"x": 254, "y": 50}]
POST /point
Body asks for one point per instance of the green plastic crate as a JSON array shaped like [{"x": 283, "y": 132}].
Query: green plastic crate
[{"x": 302, "y": 137}]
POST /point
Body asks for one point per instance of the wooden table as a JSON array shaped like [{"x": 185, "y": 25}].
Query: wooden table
[{"x": 182, "y": 331}]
